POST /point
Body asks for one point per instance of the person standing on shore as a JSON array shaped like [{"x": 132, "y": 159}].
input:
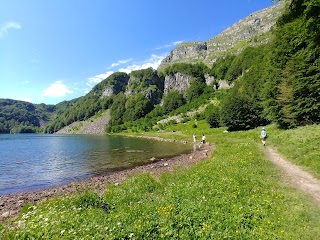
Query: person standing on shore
[
  {"x": 194, "y": 142},
  {"x": 263, "y": 136},
  {"x": 203, "y": 139}
]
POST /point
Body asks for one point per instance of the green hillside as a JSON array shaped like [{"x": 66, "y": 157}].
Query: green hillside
[{"x": 24, "y": 117}]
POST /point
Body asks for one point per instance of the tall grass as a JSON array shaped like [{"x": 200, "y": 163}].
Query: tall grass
[
  {"x": 300, "y": 145},
  {"x": 235, "y": 194}
]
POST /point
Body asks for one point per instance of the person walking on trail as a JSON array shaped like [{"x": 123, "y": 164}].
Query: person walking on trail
[{"x": 263, "y": 136}]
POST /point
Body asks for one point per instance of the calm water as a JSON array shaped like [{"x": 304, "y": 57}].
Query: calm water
[{"x": 32, "y": 161}]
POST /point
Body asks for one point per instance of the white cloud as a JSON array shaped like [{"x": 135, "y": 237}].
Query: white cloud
[
  {"x": 154, "y": 62},
  {"x": 98, "y": 78},
  {"x": 27, "y": 100},
  {"x": 120, "y": 62},
  {"x": 4, "y": 29},
  {"x": 57, "y": 89},
  {"x": 173, "y": 44}
]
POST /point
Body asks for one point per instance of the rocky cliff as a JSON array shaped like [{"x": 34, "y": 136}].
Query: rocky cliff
[
  {"x": 181, "y": 82},
  {"x": 252, "y": 30}
]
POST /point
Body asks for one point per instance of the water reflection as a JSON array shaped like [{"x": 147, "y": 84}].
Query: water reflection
[{"x": 31, "y": 161}]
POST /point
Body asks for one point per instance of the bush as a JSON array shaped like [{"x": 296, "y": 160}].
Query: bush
[
  {"x": 239, "y": 113},
  {"x": 88, "y": 200},
  {"x": 195, "y": 90},
  {"x": 172, "y": 101},
  {"x": 212, "y": 116}
]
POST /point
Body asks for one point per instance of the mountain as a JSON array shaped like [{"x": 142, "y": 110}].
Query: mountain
[{"x": 250, "y": 31}]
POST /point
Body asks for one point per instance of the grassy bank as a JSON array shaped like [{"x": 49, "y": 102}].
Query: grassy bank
[
  {"x": 235, "y": 194},
  {"x": 300, "y": 145}
]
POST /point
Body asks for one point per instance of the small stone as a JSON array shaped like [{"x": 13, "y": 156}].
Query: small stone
[
  {"x": 5, "y": 214},
  {"x": 152, "y": 159},
  {"x": 165, "y": 164}
]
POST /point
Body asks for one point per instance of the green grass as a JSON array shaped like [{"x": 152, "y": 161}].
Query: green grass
[
  {"x": 235, "y": 194},
  {"x": 300, "y": 145}
]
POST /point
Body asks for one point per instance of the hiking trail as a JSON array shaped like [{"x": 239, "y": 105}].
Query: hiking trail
[{"x": 296, "y": 175}]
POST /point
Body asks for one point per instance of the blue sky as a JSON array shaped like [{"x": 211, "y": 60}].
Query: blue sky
[{"x": 58, "y": 50}]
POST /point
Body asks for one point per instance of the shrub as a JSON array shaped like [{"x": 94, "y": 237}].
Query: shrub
[
  {"x": 172, "y": 101},
  {"x": 212, "y": 116},
  {"x": 239, "y": 113}
]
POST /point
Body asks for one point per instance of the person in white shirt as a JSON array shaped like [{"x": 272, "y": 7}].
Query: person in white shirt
[{"x": 203, "y": 139}]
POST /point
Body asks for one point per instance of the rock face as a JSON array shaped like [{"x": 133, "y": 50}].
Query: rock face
[
  {"x": 249, "y": 31},
  {"x": 177, "y": 81},
  {"x": 181, "y": 82},
  {"x": 107, "y": 92},
  {"x": 196, "y": 50}
]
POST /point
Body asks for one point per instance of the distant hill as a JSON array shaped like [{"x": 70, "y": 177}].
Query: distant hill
[{"x": 24, "y": 117}]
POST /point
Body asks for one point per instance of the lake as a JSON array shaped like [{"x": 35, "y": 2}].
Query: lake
[{"x": 37, "y": 161}]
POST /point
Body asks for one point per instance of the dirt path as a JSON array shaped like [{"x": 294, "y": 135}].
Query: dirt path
[{"x": 296, "y": 175}]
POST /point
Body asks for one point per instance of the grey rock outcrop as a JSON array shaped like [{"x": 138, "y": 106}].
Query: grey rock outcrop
[
  {"x": 177, "y": 81},
  {"x": 181, "y": 82},
  {"x": 250, "y": 31},
  {"x": 107, "y": 92},
  {"x": 196, "y": 50},
  {"x": 209, "y": 79}
]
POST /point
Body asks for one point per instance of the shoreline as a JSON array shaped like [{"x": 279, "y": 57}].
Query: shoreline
[{"x": 11, "y": 204}]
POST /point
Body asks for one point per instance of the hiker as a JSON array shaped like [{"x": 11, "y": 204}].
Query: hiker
[{"x": 263, "y": 136}]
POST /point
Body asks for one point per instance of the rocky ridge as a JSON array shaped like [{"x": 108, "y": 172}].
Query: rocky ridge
[{"x": 249, "y": 31}]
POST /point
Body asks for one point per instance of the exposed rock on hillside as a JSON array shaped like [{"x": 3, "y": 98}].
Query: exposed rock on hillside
[
  {"x": 107, "y": 92},
  {"x": 177, "y": 81},
  {"x": 181, "y": 82},
  {"x": 91, "y": 126},
  {"x": 251, "y": 30},
  {"x": 114, "y": 84}
]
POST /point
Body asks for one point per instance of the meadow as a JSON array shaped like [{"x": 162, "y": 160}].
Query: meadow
[{"x": 235, "y": 194}]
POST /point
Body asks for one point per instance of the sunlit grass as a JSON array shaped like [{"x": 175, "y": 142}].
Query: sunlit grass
[
  {"x": 300, "y": 145},
  {"x": 235, "y": 194}
]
